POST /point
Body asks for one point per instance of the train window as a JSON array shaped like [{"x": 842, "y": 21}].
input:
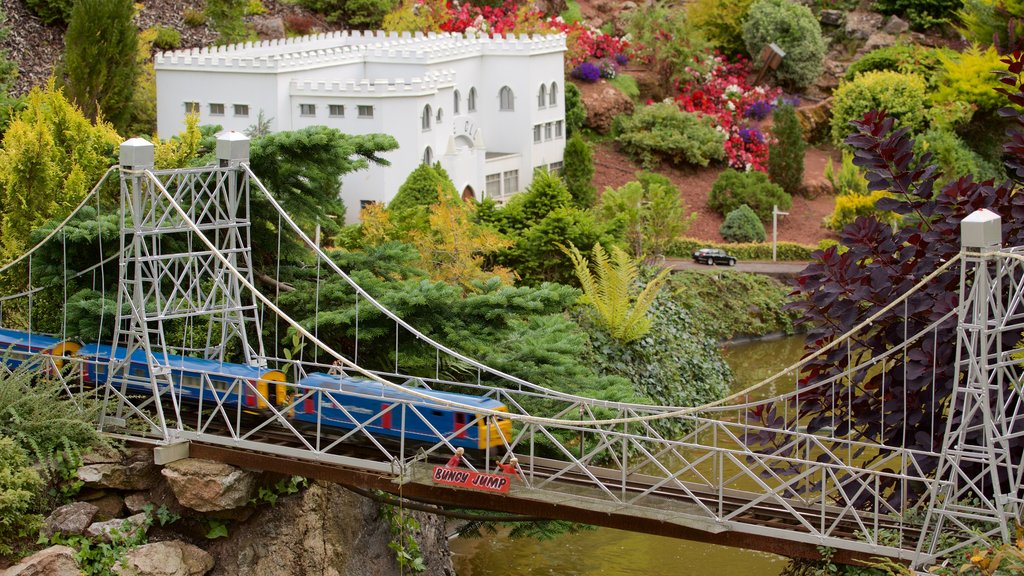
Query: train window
[
  {"x": 460, "y": 422},
  {"x": 437, "y": 412},
  {"x": 190, "y": 380},
  {"x": 139, "y": 371}
]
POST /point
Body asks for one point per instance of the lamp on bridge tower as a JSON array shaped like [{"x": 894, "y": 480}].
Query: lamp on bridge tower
[
  {"x": 981, "y": 229},
  {"x": 136, "y": 154},
  {"x": 232, "y": 149}
]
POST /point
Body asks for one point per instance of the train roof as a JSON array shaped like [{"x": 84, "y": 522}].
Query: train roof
[
  {"x": 369, "y": 387},
  {"x": 9, "y": 338},
  {"x": 176, "y": 362}
]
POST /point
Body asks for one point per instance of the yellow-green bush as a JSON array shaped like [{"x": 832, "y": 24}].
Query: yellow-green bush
[
  {"x": 721, "y": 22},
  {"x": 848, "y": 179},
  {"x": 971, "y": 77},
  {"x": 685, "y": 247},
  {"x": 849, "y": 207},
  {"x": 901, "y": 96}
]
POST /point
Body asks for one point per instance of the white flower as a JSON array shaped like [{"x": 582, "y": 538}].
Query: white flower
[{"x": 730, "y": 105}]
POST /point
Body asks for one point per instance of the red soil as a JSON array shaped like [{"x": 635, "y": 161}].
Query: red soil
[{"x": 803, "y": 225}]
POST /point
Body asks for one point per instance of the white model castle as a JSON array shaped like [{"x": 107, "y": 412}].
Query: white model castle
[{"x": 490, "y": 110}]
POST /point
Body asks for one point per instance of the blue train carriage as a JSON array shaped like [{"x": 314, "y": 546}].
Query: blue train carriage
[
  {"x": 187, "y": 374},
  {"x": 17, "y": 347},
  {"x": 364, "y": 398}
]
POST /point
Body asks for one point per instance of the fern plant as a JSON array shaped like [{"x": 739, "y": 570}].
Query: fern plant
[{"x": 609, "y": 291}]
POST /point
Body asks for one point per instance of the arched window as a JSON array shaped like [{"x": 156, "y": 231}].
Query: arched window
[
  {"x": 428, "y": 156},
  {"x": 542, "y": 96},
  {"x": 440, "y": 115},
  {"x": 471, "y": 104},
  {"x": 553, "y": 94},
  {"x": 506, "y": 101},
  {"x": 425, "y": 118},
  {"x": 455, "y": 102}
]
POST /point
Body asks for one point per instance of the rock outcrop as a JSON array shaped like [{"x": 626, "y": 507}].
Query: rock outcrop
[
  {"x": 53, "y": 561},
  {"x": 135, "y": 471},
  {"x": 603, "y": 104},
  {"x": 325, "y": 530},
  {"x": 69, "y": 519},
  {"x": 120, "y": 526},
  {"x": 207, "y": 486},
  {"x": 171, "y": 558}
]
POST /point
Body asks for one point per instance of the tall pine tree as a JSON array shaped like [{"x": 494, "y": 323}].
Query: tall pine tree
[{"x": 100, "y": 64}]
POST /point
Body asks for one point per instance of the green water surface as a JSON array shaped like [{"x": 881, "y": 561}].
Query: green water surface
[{"x": 607, "y": 552}]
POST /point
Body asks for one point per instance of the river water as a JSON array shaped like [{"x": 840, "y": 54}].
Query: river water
[{"x": 608, "y": 552}]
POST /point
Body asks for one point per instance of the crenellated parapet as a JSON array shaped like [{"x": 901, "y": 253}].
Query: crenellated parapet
[
  {"x": 378, "y": 88},
  {"x": 350, "y": 46}
]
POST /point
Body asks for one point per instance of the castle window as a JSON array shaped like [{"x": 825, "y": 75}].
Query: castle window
[
  {"x": 547, "y": 131},
  {"x": 558, "y": 128},
  {"x": 471, "y": 103},
  {"x": 307, "y": 109},
  {"x": 216, "y": 109},
  {"x": 511, "y": 181},
  {"x": 455, "y": 101},
  {"x": 542, "y": 96},
  {"x": 425, "y": 118},
  {"x": 191, "y": 107},
  {"x": 428, "y": 156},
  {"x": 555, "y": 168},
  {"x": 241, "y": 109},
  {"x": 440, "y": 115},
  {"x": 336, "y": 110},
  {"x": 536, "y": 133},
  {"x": 506, "y": 100},
  {"x": 553, "y": 95},
  {"x": 365, "y": 111},
  {"x": 493, "y": 185}
]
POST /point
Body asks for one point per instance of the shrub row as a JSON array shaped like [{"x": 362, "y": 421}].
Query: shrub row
[{"x": 685, "y": 247}]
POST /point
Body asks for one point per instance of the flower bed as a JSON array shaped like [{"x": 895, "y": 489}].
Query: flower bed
[{"x": 720, "y": 89}]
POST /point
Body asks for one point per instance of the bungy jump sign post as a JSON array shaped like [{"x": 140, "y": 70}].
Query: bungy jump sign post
[{"x": 451, "y": 475}]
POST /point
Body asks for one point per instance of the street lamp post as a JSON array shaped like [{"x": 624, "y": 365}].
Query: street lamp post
[{"x": 775, "y": 235}]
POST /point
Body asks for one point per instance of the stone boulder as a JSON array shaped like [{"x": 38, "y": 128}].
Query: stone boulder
[
  {"x": 815, "y": 120},
  {"x": 876, "y": 41},
  {"x": 896, "y": 26},
  {"x": 122, "y": 526},
  {"x": 135, "y": 471},
  {"x": 603, "y": 104},
  {"x": 110, "y": 506},
  {"x": 832, "y": 17},
  {"x": 325, "y": 529},
  {"x": 69, "y": 519},
  {"x": 862, "y": 25},
  {"x": 53, "y": 561},
  {"x": 171, "y": 558},
  {"x": 207, "y": 486},
  {"x": 269, "y": 27}
]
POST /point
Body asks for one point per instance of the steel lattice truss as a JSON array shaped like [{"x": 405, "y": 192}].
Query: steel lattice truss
[{"x": 184, "y": 254}]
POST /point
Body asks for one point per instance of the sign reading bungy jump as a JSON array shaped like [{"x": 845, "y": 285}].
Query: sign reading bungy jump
[{"x": 470, "y": 479}]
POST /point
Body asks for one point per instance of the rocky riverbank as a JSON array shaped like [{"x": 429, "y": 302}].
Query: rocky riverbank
[{"x": 196, "y": 517}]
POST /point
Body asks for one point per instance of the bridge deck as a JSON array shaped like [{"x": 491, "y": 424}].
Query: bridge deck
[{"x": 660, "y": 514}]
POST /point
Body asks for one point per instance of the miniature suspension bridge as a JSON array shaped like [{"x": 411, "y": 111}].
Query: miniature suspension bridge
[{"x": 183, "y": 260}]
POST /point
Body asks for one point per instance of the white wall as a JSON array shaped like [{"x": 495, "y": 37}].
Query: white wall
[{"x": 271, "y": 77}]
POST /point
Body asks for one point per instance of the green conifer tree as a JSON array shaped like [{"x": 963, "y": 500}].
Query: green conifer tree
[
  {"x": 786, "y": 153},
  {"x": 578, "y": 171},
  {"x": 100, "y": 64}
]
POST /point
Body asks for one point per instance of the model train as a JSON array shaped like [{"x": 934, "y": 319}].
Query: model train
[{"x": 346, "y": 402}]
